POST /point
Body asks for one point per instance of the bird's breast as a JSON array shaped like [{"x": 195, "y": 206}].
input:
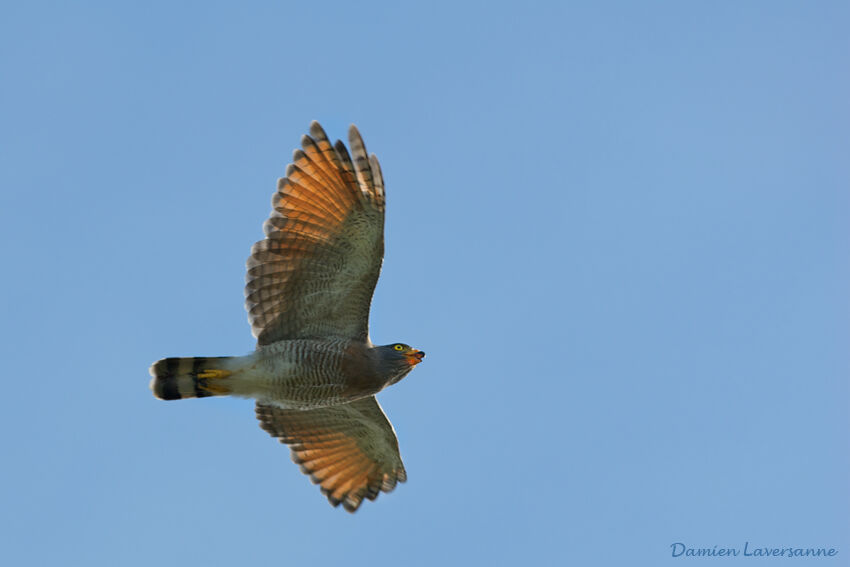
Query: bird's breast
[
  {"x": 312, "y": 373},
  {"x": 360, "y": 373}
]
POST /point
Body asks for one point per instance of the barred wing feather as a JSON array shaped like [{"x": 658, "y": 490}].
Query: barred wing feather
[
  {"x": 315, "y": 272},
  {"x": 350, "y": 450}
]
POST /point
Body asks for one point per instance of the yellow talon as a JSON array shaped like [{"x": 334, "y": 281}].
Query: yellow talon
[
  {"x": 205, "y": 374},
  {"x": 209, "y": 381}
]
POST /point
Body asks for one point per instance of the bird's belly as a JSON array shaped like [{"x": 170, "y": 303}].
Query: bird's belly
[{"x": 289, "y": 379}]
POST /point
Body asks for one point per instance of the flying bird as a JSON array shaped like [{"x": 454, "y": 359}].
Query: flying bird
[{"x": 315, "y": 371}]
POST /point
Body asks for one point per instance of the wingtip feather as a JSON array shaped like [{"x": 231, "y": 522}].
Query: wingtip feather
[{"x": 316, "y": 130}]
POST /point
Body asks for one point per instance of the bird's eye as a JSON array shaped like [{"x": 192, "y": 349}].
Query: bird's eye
[{"x": 398, "y": 347}]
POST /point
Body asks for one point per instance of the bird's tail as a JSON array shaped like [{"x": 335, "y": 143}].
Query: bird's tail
[{"x": 198, "y": 377}]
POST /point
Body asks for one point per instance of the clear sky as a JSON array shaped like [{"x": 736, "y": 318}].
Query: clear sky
[{"x": 619, "y": 230}]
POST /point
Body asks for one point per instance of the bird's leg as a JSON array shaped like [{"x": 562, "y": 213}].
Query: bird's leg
[{"x": 205, "y": 378}]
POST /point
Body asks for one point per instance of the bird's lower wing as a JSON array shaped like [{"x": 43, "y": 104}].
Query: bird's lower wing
[{"x": 349, "y": 450}]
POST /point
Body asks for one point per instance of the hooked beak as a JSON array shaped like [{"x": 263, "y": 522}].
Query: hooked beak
[{"x": 414, "y": 356}]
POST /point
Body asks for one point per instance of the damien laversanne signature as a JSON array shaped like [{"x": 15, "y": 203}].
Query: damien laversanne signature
[{"x": 748, "y": 550}]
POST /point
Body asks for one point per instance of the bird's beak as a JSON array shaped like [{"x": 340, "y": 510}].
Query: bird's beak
[{"x": 414, "y": 356}]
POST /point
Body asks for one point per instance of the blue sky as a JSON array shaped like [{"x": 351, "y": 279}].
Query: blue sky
[{"x": 619, "y": 229}]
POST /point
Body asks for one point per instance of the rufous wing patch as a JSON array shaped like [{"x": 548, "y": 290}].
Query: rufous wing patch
[{"x": 350, "y": 450}]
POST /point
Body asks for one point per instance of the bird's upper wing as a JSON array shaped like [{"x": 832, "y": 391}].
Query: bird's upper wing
[
  {"x": 350, "y": 450},
  {"x": 314, "y": 273}
]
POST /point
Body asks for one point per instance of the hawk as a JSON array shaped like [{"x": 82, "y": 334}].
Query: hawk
[{"x": 315, "y": 372}]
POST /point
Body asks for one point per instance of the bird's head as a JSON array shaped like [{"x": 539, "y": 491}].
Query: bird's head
[{"x": 398, "y": 359}]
